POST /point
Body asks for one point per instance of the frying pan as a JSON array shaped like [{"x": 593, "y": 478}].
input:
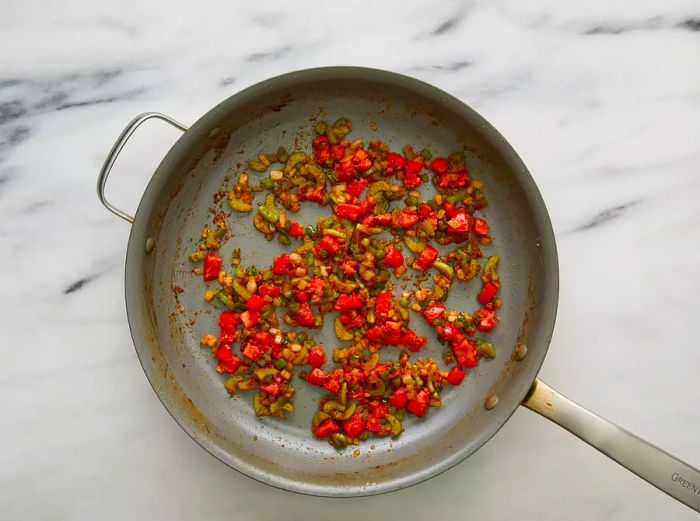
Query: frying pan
[{"x": 167, "y": 315}]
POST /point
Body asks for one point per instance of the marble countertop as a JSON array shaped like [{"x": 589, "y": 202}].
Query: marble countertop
[{"x": 602, "y": 101}]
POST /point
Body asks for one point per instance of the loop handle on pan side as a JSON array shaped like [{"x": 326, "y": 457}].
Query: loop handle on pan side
[
  {"x": 114, "y": 154},
  {"x": 669, "y": 474}
]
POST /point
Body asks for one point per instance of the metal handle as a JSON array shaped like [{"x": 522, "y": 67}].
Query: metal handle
[
  {"x": 679, "y": 480},
  {"x": 114, "y": 153}
]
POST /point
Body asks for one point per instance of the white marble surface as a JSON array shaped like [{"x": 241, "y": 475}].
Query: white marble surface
[{"x": 602, "y": 101}]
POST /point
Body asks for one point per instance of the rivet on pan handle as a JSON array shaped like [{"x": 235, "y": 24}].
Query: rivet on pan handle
[
  {"x": 675, "y": 477},
  {"x": 114, "y": 153}
]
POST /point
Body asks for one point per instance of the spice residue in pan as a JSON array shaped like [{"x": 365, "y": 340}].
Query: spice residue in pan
[{"x": 381, "y": 229}]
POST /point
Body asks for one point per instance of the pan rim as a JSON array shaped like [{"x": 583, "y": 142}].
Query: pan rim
[{"x": 548, "y": 318}]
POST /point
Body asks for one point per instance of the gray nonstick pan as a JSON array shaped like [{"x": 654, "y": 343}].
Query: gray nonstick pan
[{"x": 166, "y": 323}]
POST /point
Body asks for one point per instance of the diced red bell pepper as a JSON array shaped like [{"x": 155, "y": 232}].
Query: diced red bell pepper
[
  {"x": 459, "y": 223},
  {"x": 273, "y": 388},
  {"x": 374, "y": 334},
  {"x": 419, "y": 405},
  {"x": 295, "y": 230},
  {"x": 357, "y": 394},
  {"x": 383, "y": 219},
  {"x": 322, "y": 155},
  {"x": 347, "y": 317},
  {"x": 368, "y": 220},
  {"x": 328, "y": 243},
  {"x": 382, "y": 302},
  {"x": 348, "y": 211},
  {"x": 455, "y": 376},
  {"x": 412, "y": 341},
  {"x": 316, "y": 377},
  {"x": 332, "y": 385},
  {"x": 228, "y": 362},
  {"x": 262, "y": 337},
  {"x": 315, "y": 285},
  {"x": 450, "y": 332},
  {"x": 344, "y": 168},
  {"x": 386, "y": 219},
  {"x": 326, "y": 428},
  {"x": 417, "y": 343},
  {"x": 276, "y": 351},
  {"x": 486, "y": 318},
  {"x": 433, "y": 311},
  {"x": 380, "y": 368},
  {"x": 393, "y": 257},
  {"x": 439, "y": 165},
  {"x": 228, "y": 337},
  {"x": 395, "y": 161},
  {"x": 347, "y": 302},
  {"x": 305, "y": 317},
  {"x": 408, "y": 218},
  {"x": 399, "y": 398},
  {"x": 228, "y": 320},
  {"x": 391, "y": 333},
  {"x": 269, "y": 289},
  {"x": 366, "y": 205},
  {"x": 348, "y": 265},
  {"x": 465, "y": 353},
  {"x": 255, "y": 303},
  {"x": 354, "y": 426},
  {"x": 450, "y": 209},
  {"x": 373, "y": 424},
  {"x": 426, "y": 258},
  {"x": 407, "y": 336},
  {"x": 412, "y": 181},
  {"x": 315, "y": 194},
  {"x": 281, "y": 264},
  {"x": 379, "y": 410},
  {"x": 250, "y": 318},
  {"x": 230, "y": 366},
  {"x": 356, "y": 187},
  {"x": 361, "y": 161},
  {"x": 253, "y": 350},
  {"x": 337, "y": 152},
  {"x": 453, "y": 179},
  {"x": 212, "y": 266},
  {"x": 426, "y": 213},
  {"x": 481, "y": 227},
  {"x": 321, "y": 147},
  {"x": 320, "y": 141},
  {"x": 316, "y": 357},
  {"x": 413, "y": 167},
  {"x": 488, "y": 291}
]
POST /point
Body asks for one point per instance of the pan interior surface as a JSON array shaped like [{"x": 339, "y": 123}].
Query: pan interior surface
[{"x": 167, "y": 314}]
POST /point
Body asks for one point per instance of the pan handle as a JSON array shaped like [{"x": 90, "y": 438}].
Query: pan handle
[
  {"x": 114, "y": 153},
  {"x": 669, "y": 474}
]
